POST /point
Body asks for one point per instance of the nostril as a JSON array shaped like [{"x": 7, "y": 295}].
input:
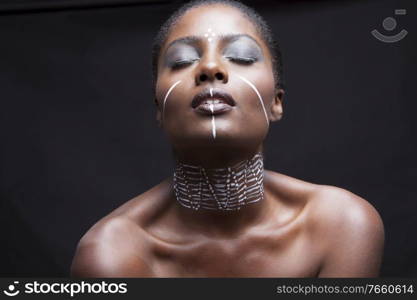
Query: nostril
[
  {"x": 203, "y": 77},
  {"x": 219, "y": 76}
]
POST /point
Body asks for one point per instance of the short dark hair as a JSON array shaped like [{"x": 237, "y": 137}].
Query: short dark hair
[{"x": 251, "y": 14}]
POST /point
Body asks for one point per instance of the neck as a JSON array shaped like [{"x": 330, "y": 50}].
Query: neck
[
  {"x": 215, "y": 156},
  {"x": 220, "y": 189}
]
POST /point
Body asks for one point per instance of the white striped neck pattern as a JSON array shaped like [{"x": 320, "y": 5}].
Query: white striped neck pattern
[{"x": 228, "y": 188}]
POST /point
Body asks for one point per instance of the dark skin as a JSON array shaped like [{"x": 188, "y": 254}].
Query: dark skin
[{"x": 300, "y": 229}]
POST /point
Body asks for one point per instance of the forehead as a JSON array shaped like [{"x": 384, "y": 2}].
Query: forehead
[{"x": 216, "y": 18}]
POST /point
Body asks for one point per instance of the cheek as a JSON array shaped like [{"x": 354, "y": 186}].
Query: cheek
[
  {"x": 267, "y": 85},
  {"x": 250, "y": 84},
  {"x": 161, "y": 88},
  {"x": 175, "y": 106},
  {"x": 264, "y": 82},
  {"x": 166, "y": 93},
  {"x": 166, "y": 84}
]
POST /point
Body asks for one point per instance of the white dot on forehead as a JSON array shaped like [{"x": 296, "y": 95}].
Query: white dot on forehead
[{"x": 209, "y": 34}]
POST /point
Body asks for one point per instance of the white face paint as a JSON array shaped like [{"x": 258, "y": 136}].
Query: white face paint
[
  {"x": 213, "y": 121},
  {"x": 209, "y": 34},
  {"x": 166, "y": 98},
  {"x": 257, "y": 93}
]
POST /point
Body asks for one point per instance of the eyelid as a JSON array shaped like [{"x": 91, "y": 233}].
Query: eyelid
[
  {"x": 241, "y": 59},
  {"x": 176, "y": 51},
  {"x": 242, "y": 47},
  {"x": 182, "y": 62}
]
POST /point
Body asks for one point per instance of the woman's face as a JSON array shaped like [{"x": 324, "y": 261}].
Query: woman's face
[{"x": 215, "y": 81}]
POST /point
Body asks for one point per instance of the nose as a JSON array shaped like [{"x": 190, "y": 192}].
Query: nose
[{"x": 210, "y": 71}]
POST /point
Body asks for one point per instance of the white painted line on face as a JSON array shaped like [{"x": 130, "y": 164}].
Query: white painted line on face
[
  {"x": 211, "y": 92},
  {"x": 166, "y": 97},
  {"x": 259, "y": 96},
  {"x": 213, "y": 122}
]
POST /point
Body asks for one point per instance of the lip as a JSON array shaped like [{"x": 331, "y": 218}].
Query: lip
[{"x": 211, "y": 104}]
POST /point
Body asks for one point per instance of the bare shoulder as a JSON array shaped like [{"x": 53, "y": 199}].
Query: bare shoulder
[
  {"x": 326, "y": 205},
  {"x": 113, "y": 247},
  {"x": 117, "y": 245},
  {"x": 344, "y": 228},
  {"x": 350, "y": 231},
  {"x": 345, "y": 210}
]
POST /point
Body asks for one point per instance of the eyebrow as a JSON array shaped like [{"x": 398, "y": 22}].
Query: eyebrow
[{"x": 193, "y": 39}]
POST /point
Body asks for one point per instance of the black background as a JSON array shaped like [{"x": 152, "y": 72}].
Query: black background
[{"x": 78, "y": 135}]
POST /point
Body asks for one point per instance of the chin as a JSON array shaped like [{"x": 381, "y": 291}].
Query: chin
[{"x": 226, "y": 134}]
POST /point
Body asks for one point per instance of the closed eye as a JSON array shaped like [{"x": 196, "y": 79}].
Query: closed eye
[
  {"x": 179, "y": 64},
  {"x": 242, "y": 60}
]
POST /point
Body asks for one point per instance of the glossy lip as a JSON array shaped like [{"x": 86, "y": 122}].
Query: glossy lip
[{"x": 226, "y": 100}]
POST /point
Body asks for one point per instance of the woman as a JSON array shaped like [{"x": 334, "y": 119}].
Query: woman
[{"x": 217, "y": 88}]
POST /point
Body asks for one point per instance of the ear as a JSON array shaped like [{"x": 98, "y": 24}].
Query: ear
[
  {"x": 158, "y": 113},
  {"x": 276, "y": 107}
]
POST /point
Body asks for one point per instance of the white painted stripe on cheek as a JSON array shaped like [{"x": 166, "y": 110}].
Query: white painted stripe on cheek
[
  {"x": 166, "y": 97},
  {"x": 257, "y": 93}
]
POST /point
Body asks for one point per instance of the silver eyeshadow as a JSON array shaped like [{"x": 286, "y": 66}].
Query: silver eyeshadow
[{"x": 237, "y": 48}]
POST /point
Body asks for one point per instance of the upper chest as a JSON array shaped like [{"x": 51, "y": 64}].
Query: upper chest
[{"x": 290, "y": 254}]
